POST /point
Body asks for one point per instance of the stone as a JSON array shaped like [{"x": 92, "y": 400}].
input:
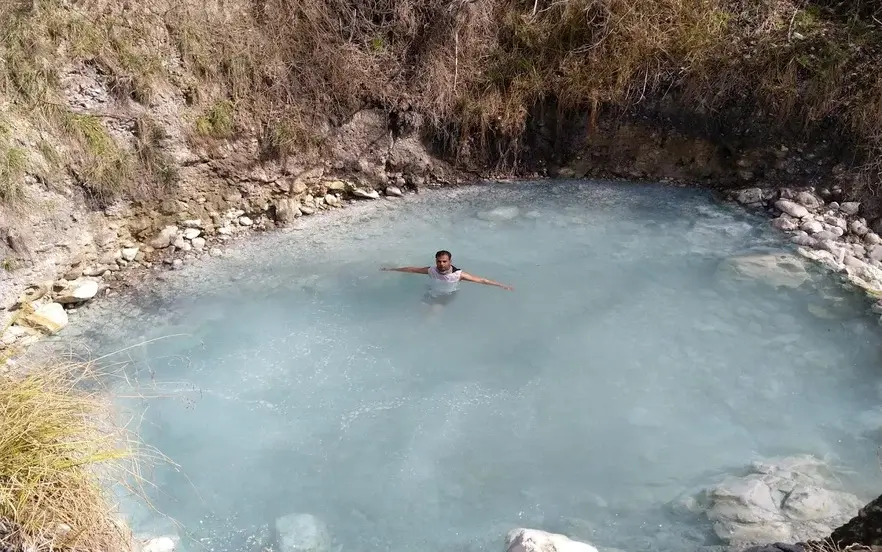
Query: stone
[
  {"x": 776, "y": 547},
  {"x": 191, "y": 223},
  {"x": 875, "y": 252},
  {"x": 535, "y": 540},
  {"x": 287, "y": 210},
  {"x": 784, "y": 500},
  {"x": 177, "y": 263},
  {"x": 332, "y": 200},
  {"x": 129, "y": 253},
  {"x": 302, "y": 533},
  {"x": 337, "y": 186},
  {"x": 804, "y": 239},
  {"x": 159, "y": 544},
  {"x": 835, "y": 221},
  {"x": 776, "y": 270},
  {"x": 749, "y": 196},
  {"x": 811, "y": 226},
  {"x": 191, "y": 233},
  {"x": 809, "y": 200},
  {"x": 785, "y": 223},
  {"x": 825, "y": 235},
  {"x": 791, "y": 208},
  {"x": 297, "y": 187},
  {"x": 850, "y": 208},
  {"x": 198, "y": 244},
  {"x": 49, "y": 318},
  {"x": 872, "y": 238},
  {"x": 366, "y": 194},
  {"x": 245, "y": 221},
  {"x": 180, "y": 243},
  {"x": 78, "y": 292},
  {"x": 393, "y": 191},
  {"x": 165, "y": 238},
  {"x": 225, "y": 230},
  {"x": 858, "y": 227}
]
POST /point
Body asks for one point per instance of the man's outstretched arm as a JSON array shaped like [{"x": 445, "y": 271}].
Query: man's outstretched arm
[
  {"x": 411, "y": 269},
  {"x": 478, "y": 280}
]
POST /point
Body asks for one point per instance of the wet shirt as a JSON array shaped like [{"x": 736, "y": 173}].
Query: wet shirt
[{"x": 442, "y": 283}]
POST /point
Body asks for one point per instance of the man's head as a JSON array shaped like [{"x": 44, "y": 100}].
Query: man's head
[{"x": 442, "y": 260}]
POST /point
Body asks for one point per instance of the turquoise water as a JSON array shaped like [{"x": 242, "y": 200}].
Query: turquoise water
[{"x": 623, "y": 369}]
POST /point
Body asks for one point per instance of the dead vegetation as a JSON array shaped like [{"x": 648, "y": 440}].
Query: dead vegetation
[
  {"x": 62, "y": 452},
  {"x": 473, "y": 68}
]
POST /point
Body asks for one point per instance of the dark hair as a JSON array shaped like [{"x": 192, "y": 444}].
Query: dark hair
[{"x": 442, "y": 253}]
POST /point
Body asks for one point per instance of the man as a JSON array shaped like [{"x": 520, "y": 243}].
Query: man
[{"x": 444, "y": 279}]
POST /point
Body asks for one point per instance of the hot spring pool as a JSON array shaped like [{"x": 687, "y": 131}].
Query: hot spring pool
[{"x": 629, "y": 364}]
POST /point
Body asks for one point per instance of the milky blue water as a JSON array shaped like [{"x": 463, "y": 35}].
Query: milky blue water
[{"x": 624, "y": 368}]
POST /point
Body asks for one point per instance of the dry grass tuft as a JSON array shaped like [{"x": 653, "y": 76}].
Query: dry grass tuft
[{"x": 61, "y": 450}]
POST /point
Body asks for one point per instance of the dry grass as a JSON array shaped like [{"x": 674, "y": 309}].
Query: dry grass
[
  {"x": 475, "y": 69},
  {"x": 61, "y": 451}
]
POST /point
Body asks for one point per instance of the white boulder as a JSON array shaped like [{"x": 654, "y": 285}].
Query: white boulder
[
  {"x": 49, "y": 318},
  {"x": 77, "y": 292},
  {"x": 534, "y": 540},
  {"x": 791, "y": 208}
]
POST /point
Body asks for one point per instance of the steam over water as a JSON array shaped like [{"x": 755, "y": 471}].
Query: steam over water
[{"x": 627, "y": 367}]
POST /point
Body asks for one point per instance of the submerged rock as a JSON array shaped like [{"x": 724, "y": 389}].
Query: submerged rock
[
  {"x": 302, "y": 533},
  {"x": 159, "y": 544},
  {"x": 785, "y": 500},
  {"x": 534, "y": 540},
  {"x": 777, "y": 270},
  {"x": 500, "y": 214}
]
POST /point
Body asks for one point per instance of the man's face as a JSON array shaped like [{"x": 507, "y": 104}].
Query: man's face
[{"x": 442, "y": 263}]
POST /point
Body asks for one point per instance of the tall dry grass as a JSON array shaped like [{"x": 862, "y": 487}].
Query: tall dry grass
[{"x": 63, "y": 452}]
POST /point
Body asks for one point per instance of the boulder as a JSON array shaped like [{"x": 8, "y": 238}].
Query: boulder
[
  {"x": 534, "y": 540},
  {"x": 850, "y": 208},
  {"x": 791, "y": 208},
  {"x": 302, "y": 533},
  {"x": 784, "y": 500},
  {"x": 191, "y": 233},
  {"x": 749, "y": 196},
  {"x": 129, "y": 253},
  {"x": 287, "y": 210},
  {"x": 165, "y": 237},
  {"x": 809, "y": 200},
  {"x": 49, "y": 318},
  {"x": 198, "y": 244},
  {"x": 366, "y": 194},
  {"x": 785, "y": 223},
  {"x": 858, "y": 228},
  {"x": 393, "y": 191},
  {"x": 77, "y": 292},
  {"x": 776, "y": 270},
  {"x": 811, "y": 226}
]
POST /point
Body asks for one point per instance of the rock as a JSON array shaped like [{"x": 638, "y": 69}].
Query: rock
[
  {"x": 78, "y": 292},
  {"x": 784, "y": 500},
  {"x": 777, "y": 547},
  {"x": 191, "y": 223},
  {"x": 245, "y": 221},
  {"x": 500, "y": 214},
  {"x": 825, "y": 235},
  {"x": 306, "y": 210},
  {"x": 791, "y": 208},
  {"x": 749, "y": 196},
  {"x": 332, "y": 200},
  {"x": 337, "y": 186},
  {"x": 865, "y": 528},
  {"x": 287, "y": 210},
  {"x": 181, "y": 243},
  {"x": 198, "y": 244},
  {"x": 366, "y": 194},
  {"x": 129, "y": 253},
  {"x": 191, "y": 233},
  {"x": 875, "y": 252},
  {"x": 165, "y": 238},
  {"x": 858, "y": 228},
  {"x": 159, "y": 544},
  {"x": 73, "y": 273},
  {"x": 49, "y": 318},
  {"x": 225, "y": 230},
  {"x": 776, "y": 270},
  {"x": 534, "y": 540},
  {"x": 850, "y": 208},
  {"x": 785, "y": 223},
  {"x": 177, "y": 263},
  {"x": 393, "y": 191},
  {"x": 297, "y": 187},
  {"x": 872, "y": 238},
  {"x": 809, "y": 200},
  {"x": 835, "y": 221},
  {"x": 811, "y": 226},
  {"x": 302, "y": 533},
  {"x": 804, "y": 239}
]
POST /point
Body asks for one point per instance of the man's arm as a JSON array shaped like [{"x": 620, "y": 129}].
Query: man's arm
[
  {"x": 478, "y": 280},
  {"x": 411, "y": 269}
]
